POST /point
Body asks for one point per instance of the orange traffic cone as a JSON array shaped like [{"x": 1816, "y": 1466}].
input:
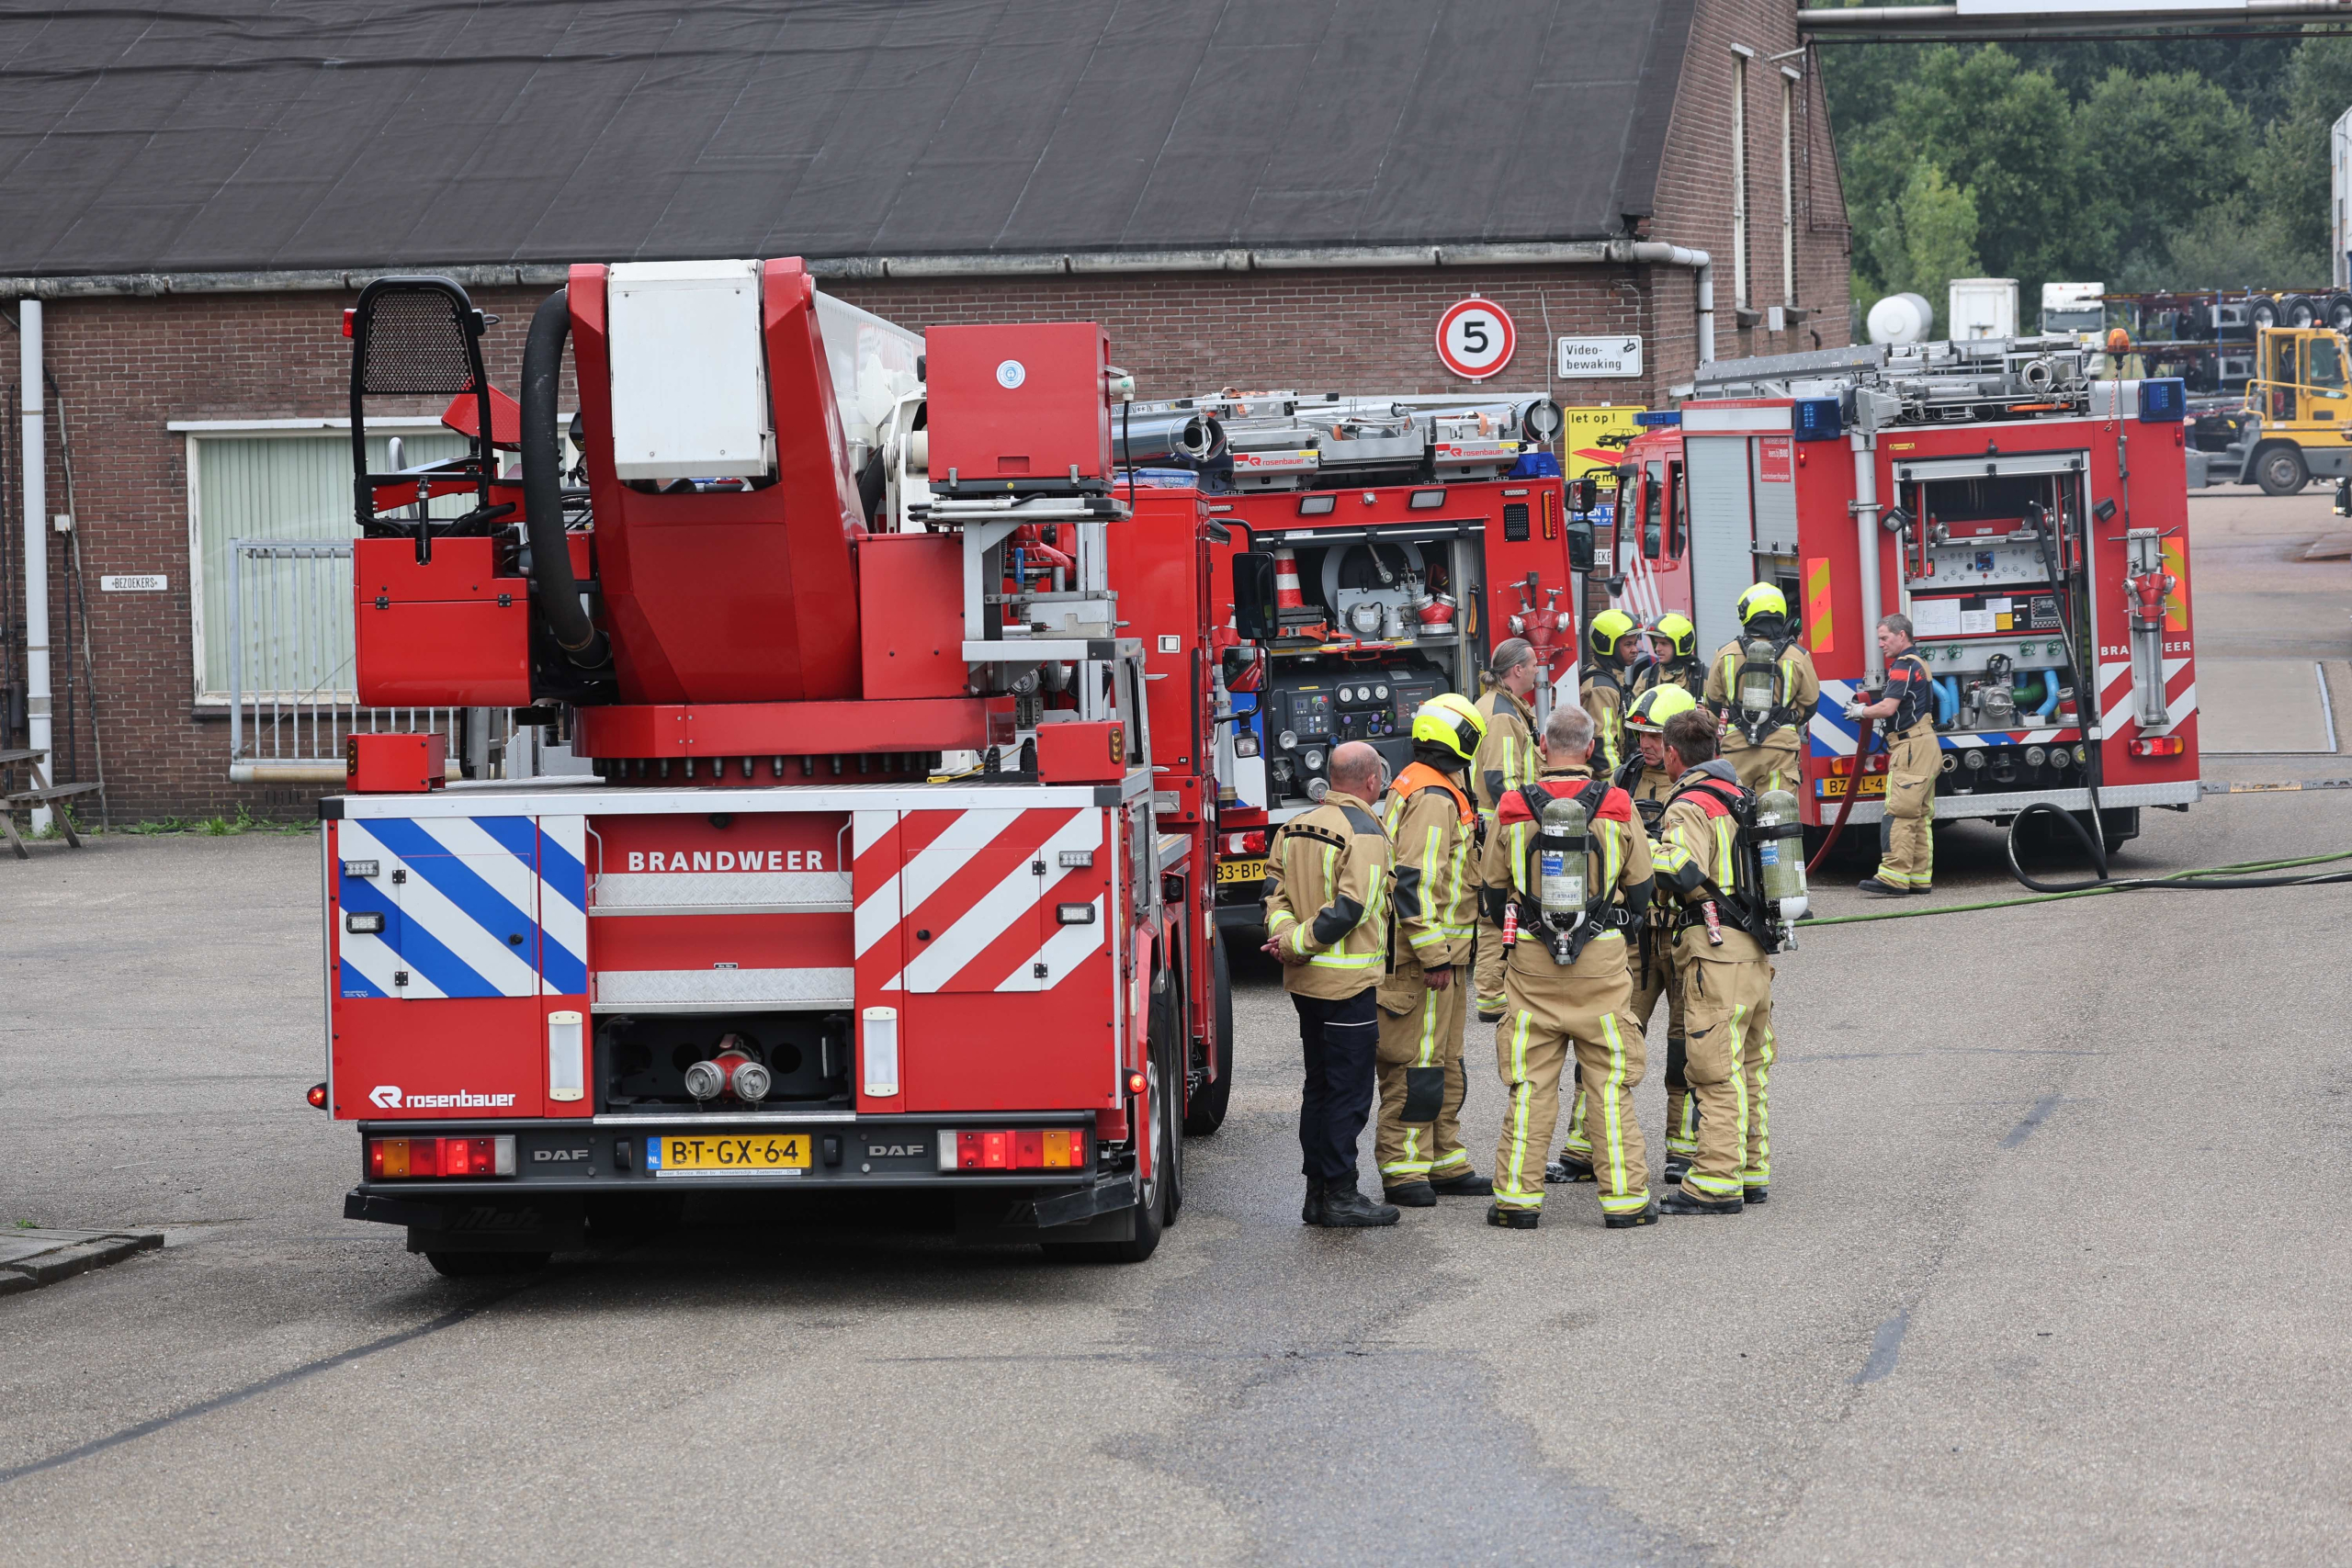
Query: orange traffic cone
[{"x": 1286, "y": 594}]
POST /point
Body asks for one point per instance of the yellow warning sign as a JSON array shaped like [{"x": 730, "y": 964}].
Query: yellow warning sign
[{"x": 1596, "y": 438}]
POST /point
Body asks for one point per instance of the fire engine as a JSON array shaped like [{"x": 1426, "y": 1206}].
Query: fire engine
[
  {"x": 2029, "y": 519},
  {"x": 1369, "y": 553},
  {"x": 884, "y": 877}
]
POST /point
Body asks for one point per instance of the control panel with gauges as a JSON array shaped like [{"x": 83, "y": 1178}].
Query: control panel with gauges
[{"x": 1326, "y": 710}]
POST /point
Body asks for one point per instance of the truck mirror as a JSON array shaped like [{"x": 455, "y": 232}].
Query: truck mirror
[
  {"x": 1583, "y": 494},
  {"x": 1579, "y": 534},
  {"x": 1254, "y": 617}
]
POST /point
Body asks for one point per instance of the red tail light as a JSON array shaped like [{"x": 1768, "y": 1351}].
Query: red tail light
[
  {"x": 1253, "y": 843},
  {"x": 399, "y": 1158},
  {"x": 1013, "y": 1149},
  {"x": 317, "y": 1096},
  {"x": 2160, "y": 746},
  {"x": 348, "y": 313},
  {"x": 1841, "y": 767},
  {"x": 1876, "y": 762}
]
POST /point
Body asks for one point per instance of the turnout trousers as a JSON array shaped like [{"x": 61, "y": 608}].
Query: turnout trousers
[
  {"x": 1727, "y": 1011},
  {"x": 1421, "y": 1077},
  {"x": 1907, "y": 833},
  {"x": 1549, "y": 1014},
  {"x": 1772, "y": 765},
  {"x": 1654, "y": 976},
  {"x": 1340, "y": 1039}
]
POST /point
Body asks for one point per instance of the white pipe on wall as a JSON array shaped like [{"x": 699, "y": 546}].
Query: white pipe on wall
[{"x": 36, "y": 456}]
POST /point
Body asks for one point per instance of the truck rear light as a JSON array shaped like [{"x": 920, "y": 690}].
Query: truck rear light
[
  {"x": 368, "y": 922},
  {"x": 1011, "y": 1148},
  {"x": 2160, "y": 746},
  {"x": 566, "y": 1054},
  {"x": 1876, "y": 762},
  {"x": 1841, "y": 767},
  {"x": 348, "y": 313},
  {"x": 401, "y": 1158},
  {"x": 1135, "y": 1083},
  {"x": 317, "y": 1096},
  {"x": 881, "y": 1054}
]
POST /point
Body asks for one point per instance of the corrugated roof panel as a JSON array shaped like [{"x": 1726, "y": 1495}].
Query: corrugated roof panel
[{"x": 217, "y": 134}]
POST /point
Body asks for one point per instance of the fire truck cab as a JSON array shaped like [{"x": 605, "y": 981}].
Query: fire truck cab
[{"x": 2029, "y": 520}]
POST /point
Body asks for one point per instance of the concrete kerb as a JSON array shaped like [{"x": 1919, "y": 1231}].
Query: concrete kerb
[{"x": 31, "y": 1259}]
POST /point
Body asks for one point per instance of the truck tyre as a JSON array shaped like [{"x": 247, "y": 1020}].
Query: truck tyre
[
  {"x": 2339, "y": 311},
  {"x": 2279, "y": 469},
  {"x": 1204, "y": 1109},
  {"x": 2301, "y": 310},
  {"x": 1152, "y": 1214},
  {"x": 2263, "y": 314},
  {"x": 483, "y": 1265}
]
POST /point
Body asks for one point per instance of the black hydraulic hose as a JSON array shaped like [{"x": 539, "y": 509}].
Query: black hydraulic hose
[
  {"x": 553, "y": 588},
  {"x": 2221, "y": 879}
]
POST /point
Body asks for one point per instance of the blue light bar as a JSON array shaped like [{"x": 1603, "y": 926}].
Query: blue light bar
[
  {"x": 1816, "y": 419},
  {"x": 1659, "y": 417},
  {"x": 2164, "y": 401}
]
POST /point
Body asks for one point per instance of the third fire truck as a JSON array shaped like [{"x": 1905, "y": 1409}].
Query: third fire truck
[{"x": 2029, "y": 519}]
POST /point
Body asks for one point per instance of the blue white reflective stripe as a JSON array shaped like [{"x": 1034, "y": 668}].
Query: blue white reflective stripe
[
  {"x": 1835, "y": 734},
  {"x": 482, "y": 906}
]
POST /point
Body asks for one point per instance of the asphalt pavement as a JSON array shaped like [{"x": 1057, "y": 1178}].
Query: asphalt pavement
[{"x": 2052, "y": 1272}]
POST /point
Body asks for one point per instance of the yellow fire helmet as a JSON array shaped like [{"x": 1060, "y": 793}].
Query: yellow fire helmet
[
  {"x": 1653, "y": 707},
  {"x": 1450, "y": 721},
  {"x": 1762, "y": 600},
  {"x": 1607, "y": 629},
  {"x": 1678, "y": 632}
]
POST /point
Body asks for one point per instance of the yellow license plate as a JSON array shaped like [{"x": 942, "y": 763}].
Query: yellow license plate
[
  {"x": 1835, "y": 789},
  {"x": 708, "y": 1153},
  {"x": 1241, "y": 870}
]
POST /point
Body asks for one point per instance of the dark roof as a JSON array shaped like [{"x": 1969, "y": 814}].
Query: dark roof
[{"x": 209, "y": 135}]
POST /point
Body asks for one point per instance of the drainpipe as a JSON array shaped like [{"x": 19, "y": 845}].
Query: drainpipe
[
  {"x": 36, "y": 456},
  {"x": 1659, "y": 254}
]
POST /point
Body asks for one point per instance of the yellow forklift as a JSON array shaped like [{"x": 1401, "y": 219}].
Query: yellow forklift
[{"x": 2296, "y": 420}]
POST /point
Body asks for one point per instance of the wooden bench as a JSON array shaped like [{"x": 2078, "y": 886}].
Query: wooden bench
[{"x": 42, "y": 793}]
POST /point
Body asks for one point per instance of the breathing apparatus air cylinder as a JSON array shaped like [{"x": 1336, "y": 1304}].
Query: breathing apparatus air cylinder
[
  {"x": 1779, "y": 851},
  {"x": 1562, "y": 841},
  {"x": 1758, "y": 690}
]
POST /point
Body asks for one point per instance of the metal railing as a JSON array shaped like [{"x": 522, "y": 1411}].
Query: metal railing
[{"x": 293, "y": 697}]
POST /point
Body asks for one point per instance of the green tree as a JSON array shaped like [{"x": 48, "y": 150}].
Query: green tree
[
  {"x": 1926, "y": 237},
  {"x": 2289, "y": 179}
]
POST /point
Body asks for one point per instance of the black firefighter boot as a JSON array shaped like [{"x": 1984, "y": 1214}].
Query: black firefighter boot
[
  {"x": 1465, "y": 1184},
  {"x": 1414, "y": 1194},
  {"x": 1344, "y": 1208},
  {"x": 1311, "y": 1211}
]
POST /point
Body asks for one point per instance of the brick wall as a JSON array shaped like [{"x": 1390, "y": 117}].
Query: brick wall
[{"x": 1695, "y": 191}]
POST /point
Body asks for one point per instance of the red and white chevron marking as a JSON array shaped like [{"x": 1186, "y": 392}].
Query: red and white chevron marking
[
  {"x": 2116, "y": 707},
  {"x": 968, "y": 879}
]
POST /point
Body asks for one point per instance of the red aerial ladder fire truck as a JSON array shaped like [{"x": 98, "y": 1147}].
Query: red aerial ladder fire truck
[
  {"x": 889, "y": 875},
  {"x": 2030, "y": 520},
  {"x": 1369, "y": 553}
]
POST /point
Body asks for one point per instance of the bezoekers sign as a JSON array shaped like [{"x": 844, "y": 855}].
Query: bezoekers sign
[{"x": 1591, "y": 358}]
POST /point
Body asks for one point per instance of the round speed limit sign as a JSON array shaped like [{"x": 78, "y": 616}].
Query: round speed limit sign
[{"x": 1474, "y": 339}]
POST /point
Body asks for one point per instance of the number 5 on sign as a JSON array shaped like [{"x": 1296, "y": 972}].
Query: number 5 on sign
[{"x": 1475, "y": 338}]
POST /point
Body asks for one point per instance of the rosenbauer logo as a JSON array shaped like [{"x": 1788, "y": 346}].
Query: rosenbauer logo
[{"x": 387, "y": 1096}]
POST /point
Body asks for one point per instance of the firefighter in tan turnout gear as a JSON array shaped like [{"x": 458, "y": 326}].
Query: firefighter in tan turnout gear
[
  {"x": 1615, "y": 642},
  {"x": 1723, "y": 941},
  {"x": 1566, "y": 871},
  {"x": 1434, "y": 831},
  {"x": 1645, "y": 778},
  {"x": 1327, "y": 920},
  {"x": 1506, "y": 759},
  {"x": 1763, "y": 687},
  {"x": 1907, "y": 709}
]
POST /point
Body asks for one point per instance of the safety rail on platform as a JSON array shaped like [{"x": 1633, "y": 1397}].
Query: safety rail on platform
[{"x": 292, "y": 693}]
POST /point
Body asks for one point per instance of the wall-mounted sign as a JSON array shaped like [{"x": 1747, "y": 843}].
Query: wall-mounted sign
[
  {"x": 156, "y": 583},
  {"x": 1475, "y": 338},
  {"x": 1597, "y": 438},
  {"x": 1583, "y": 357}
]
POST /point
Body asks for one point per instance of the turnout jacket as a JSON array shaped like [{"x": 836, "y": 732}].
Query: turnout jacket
[
  {"x": 1507, "y": 756},
  {"x": 1618, "y": 865},
  {"x": 1327, "y": 898},
  {"x": 1695, "y": 840},
  {"x": 1604, "y": 696},
  {"x": 1433, "y": 834},
  {"x": 1799, "y": 690}
]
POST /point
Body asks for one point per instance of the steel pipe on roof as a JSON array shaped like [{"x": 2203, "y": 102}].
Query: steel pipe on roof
[{"x": 1899, "y": 19}]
